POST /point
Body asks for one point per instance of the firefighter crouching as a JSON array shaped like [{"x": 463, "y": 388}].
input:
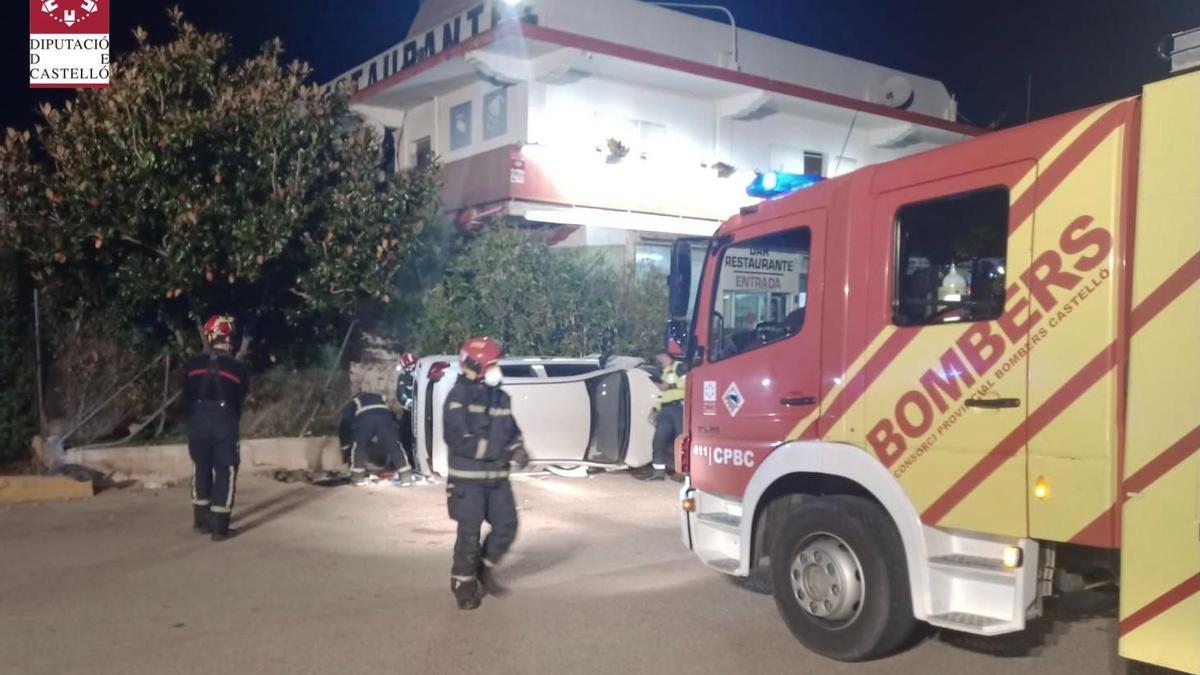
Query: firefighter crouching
[
  {"x": 483, "y": 439},
  {"x": 214, "y": 387},
  {"x": 365, "y": 418}
]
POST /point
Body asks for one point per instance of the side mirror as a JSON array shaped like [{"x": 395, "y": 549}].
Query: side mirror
[
  {"x": 680, "y": 281},
  {"x": 677, "y": 337}
]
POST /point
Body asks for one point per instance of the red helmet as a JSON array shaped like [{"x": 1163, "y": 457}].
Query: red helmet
[
  {"x": 218, "y": 328},
  {"x": 478, "y": 354},
  {"x": 408, "y": 361}
]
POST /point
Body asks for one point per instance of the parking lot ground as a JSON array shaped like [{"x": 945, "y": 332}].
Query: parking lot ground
[{"x": 356, "y": 580}]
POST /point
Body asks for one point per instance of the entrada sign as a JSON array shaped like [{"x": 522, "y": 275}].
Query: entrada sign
[{"x": 476, "y": 20}]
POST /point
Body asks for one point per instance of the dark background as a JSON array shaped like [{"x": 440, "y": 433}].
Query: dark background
[{"x": 1078, "y": 52}]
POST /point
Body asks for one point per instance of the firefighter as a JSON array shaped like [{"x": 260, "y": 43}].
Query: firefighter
[
  {"x": 368, "y": 418},
  {"x": 484, "y": 440},
  {"x": 214, "y": 387},
  {"x": 406, "y": 384},
  {"x": 669, "y": 423}
]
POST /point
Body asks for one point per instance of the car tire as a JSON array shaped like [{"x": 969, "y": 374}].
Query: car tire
[
  {"x": 568, "y": 470},
  {"x": 841, "y": 579}
]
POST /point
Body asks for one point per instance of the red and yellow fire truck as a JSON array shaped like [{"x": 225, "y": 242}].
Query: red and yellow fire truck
[{"x": 942, "y": 388}]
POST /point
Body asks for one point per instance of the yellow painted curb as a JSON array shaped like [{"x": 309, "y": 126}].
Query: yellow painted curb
[{"x": 17, "y": 489}]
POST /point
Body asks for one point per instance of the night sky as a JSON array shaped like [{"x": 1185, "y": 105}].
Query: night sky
[{"x": 1078, "y": 52}]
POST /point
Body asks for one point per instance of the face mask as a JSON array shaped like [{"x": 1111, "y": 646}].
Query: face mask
[{"x": 492, "y": 377}]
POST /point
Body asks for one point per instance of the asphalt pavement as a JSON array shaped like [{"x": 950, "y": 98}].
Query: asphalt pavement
[{"x": 356, "y": 580}]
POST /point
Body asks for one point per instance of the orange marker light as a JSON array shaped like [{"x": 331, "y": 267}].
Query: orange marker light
[
  {"x": 689, "y": 505},
  {"x": 1041, "y": 489}
]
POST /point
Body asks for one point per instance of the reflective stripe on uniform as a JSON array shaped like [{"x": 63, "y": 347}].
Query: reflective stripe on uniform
[
  {"x": 476, "y": 408},
  {"x": 481, "y": 448},
  {"x": 454, "y": 405},
  {"x": 375, "y": 406},
  {"x": 477, "y": 475},
  {"x": 200, "y": 502},
  {"x": 461, "y": 577},
  {"x": 221, "y": 509},
  {"x": 501, "y": 412}
]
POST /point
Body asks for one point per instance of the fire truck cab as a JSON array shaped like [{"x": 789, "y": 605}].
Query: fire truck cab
[{"x": 914, "y": 390}]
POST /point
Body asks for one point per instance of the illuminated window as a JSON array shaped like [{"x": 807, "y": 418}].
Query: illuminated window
[{"x": 950, "y": 258}]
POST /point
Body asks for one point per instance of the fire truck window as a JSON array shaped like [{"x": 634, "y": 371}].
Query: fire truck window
[
  {"x": 950, "y": 264},
  {"x": 761, "y": 294}
]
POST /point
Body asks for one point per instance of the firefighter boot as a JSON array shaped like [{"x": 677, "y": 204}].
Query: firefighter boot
[
  {"x": 201, "y": 519},
  {"x": 487, "y": 580},
  {"x": 466, "y": 592},
  {"x": 220, "y": 527}
]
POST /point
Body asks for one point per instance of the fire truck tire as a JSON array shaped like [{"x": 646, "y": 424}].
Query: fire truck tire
[{"x": 841, "y": 579}]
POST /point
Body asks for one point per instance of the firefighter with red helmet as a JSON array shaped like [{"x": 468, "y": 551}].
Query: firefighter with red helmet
[
  {"x": 484, "y": 441},
  {"x": 214, "y": 388}
]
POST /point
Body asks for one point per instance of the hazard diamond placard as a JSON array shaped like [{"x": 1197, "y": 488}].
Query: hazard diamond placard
[{"x": 68, "y": 43}]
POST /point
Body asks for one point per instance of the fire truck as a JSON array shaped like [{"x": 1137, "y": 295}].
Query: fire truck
[{"x": 945, "y": 388}]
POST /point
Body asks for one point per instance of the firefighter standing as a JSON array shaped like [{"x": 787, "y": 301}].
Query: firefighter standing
[
  {"x": 483, "y": 439},
  {"x": 406, "y": 384},
  {"x": 670, "y": 416},
  {"x": 367, "y": 418},
  {"x": 214, "y": 387}
]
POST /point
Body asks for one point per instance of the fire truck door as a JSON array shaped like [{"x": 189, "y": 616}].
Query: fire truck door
[{"x": 759, "y": 323}]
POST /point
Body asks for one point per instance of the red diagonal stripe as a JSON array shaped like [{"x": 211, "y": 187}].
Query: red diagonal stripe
[
  {"x": 1157, "y": 468},
  {"x": 1183, "y": 591},
  {"x": 197, "y": 372},
  {"x": 1052, "y": 176},
  {"x": 1165, "y": 294},
  {"x": 230, "y": 376},
  {"x": 876, "y": 364},
  {"x": 1079, "y": 383},
  {"x": 1169, "y": 459}
]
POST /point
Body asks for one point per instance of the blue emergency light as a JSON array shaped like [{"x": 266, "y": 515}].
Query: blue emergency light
[{"x": 775, "y": 183}]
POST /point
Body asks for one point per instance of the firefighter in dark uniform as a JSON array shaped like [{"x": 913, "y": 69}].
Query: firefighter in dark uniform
[
  {"x": 214, "y": 387},
  {"x": 406, "y": 386},
  {"x": 483, "y": 441},
  {"x": 367, "y": 418}
]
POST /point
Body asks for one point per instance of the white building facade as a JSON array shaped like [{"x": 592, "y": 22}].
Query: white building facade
[{"x": 622, "y": 124}]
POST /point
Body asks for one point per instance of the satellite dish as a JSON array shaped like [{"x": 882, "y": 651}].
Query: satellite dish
[{"x": 898, "y": 92}]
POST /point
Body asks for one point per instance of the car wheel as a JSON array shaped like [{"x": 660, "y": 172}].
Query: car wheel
[
  {"x": 568, "y": 470},
  {"x": 841, "y": 579}
]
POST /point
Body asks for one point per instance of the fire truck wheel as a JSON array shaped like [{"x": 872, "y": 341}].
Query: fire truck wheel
[{"x": 841, "y": 580}]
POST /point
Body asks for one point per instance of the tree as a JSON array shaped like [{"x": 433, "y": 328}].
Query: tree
[
  {"x": 18, "y": 414},
  {"x": 509, "y": 284},
  {"x": 201, "y": 182}
]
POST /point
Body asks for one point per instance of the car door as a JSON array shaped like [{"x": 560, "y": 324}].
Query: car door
[{"x": 758, "y": 374}]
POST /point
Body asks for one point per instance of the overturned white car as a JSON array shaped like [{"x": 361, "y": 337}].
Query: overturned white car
[{"x": 572, "y": 412}]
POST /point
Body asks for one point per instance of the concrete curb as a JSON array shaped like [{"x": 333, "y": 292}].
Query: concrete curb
[{"x": 162, "y": 463}]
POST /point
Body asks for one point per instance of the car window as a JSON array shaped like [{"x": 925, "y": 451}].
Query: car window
[
  {"x": 517, "y": 371},
  {"x": 568, "y": 369}
]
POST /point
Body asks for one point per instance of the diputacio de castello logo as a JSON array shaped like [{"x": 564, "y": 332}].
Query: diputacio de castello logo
[{"x": 68, "y": 43}]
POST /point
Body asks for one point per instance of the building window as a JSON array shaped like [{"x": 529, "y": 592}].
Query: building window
[
  {"x": 814, "y": 163},
  {"x": 495, "y": 114},
  {"x": 950, "y": 259},
  {"x": 423, "y": 150},
  {"x": 762, "y": 293},
  {"x": 388, "y": 163},
  {"x": 652, "y": 256},
  {"x": 460, "y": 126}
]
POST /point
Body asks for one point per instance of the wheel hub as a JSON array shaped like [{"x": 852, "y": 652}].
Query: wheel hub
[{"x": 827, "y": 579}]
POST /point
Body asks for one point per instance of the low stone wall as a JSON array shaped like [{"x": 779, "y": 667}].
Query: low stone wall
[{"x": 163, "y": 463}]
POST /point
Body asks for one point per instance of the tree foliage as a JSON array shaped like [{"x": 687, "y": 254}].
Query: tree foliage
[
  {"x": 509, "y": 284},
  {"x": 18, "y": 415},
  {"x": 201, "y": 182}
]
